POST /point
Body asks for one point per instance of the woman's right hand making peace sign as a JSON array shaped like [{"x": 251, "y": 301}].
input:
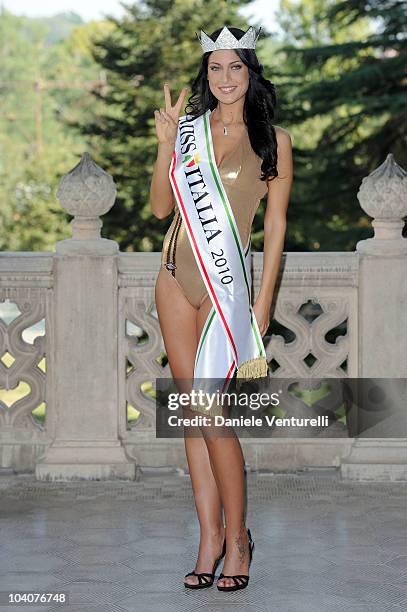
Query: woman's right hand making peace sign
[{"x": 166, "y": 121}]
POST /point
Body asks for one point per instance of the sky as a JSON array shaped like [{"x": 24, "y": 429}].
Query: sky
[{"x": 261, "y": 10}]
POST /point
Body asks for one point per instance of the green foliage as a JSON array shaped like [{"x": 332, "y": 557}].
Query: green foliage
[
  {"x": 344, "y": 102},
  {"x": 154, "y": 43},
  {"x": 66, "y": 87},
  {"x": 43, "y": 87}
]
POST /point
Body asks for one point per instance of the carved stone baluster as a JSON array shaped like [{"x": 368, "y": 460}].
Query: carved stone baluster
[
  {"x": 85, "y": 355},
  {"x": 382, "y": 320}
]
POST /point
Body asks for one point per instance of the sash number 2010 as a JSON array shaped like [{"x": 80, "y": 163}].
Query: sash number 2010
[{"x": 220, "y": 261}]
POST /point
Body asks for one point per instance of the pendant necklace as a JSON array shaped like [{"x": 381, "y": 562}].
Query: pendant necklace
[{"x": 225, "y": 129}]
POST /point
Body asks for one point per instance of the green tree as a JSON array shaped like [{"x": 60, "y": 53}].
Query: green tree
[
  {"x": 43, "y": 85},
  {"x": 153, "y": 43},
  {"x": 345, "y": 104}
]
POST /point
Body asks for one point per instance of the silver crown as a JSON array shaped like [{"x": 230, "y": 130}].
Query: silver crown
[{"x": 226, "y": 40}]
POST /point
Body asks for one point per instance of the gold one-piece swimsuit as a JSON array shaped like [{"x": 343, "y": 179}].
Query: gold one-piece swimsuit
[{"x": 240, "y": 172}]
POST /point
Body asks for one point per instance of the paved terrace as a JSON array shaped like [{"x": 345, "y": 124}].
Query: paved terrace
[{"x": 322, "y": 544}]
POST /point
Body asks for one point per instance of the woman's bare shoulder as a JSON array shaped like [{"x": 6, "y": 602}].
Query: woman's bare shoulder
[{"x": 281, "y": 133}]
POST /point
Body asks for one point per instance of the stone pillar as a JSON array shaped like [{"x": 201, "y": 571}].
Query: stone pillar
[
  {"x": 85, "y": 338},
  {"x": 382, "y": 314}
]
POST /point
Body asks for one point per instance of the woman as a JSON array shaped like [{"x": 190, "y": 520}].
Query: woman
[{"x": 234, "y": 106}]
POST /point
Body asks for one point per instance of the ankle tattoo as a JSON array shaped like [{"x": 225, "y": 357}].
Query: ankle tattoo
[{"x": 241, "y": 546}]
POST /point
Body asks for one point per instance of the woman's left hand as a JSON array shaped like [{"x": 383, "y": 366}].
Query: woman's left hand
[{"x": 262, "y": 314}]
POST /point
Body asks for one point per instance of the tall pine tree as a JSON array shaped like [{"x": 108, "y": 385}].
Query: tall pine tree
[{"x": 350, "y": 90}]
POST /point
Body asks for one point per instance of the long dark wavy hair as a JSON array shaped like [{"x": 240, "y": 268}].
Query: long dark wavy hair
[{"x": 259, "y": 105}]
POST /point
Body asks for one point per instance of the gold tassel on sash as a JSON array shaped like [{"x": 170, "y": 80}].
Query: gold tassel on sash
[{"x": 253, "y": 368}]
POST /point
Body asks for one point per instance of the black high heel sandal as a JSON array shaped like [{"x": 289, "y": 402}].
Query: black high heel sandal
[
  {"x": 241, "y": 580},
  {"x": 205, "y": 579}
]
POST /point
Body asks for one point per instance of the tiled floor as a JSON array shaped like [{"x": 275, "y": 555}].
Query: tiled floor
[{"x": 322, "y": 545}]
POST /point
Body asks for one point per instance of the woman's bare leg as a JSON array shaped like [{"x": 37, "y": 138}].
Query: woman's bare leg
[
  {"x": 181, "y": 325},
  {"x": 227, "y": 462}
]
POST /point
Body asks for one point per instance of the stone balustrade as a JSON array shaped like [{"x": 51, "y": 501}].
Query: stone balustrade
[{"x": 80, "y": 337}]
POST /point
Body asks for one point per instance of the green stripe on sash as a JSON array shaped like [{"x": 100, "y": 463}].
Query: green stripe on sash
[{"x": 208, "y": 139}]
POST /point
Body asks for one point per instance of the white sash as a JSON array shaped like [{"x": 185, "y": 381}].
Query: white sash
[{"x": 230, "y": 336}]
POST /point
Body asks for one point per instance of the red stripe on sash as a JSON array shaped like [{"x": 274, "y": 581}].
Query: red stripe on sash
[
  {"x": 228, "y": 375},
  {"x": 174, "y": 161}
]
